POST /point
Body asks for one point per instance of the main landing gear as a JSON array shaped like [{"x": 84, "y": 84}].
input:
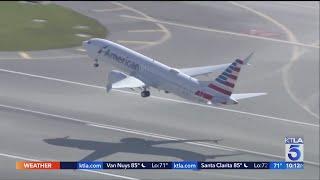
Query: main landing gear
[
  {"x": 145, "y": 93},
  {"x": 96, "y": 64}
]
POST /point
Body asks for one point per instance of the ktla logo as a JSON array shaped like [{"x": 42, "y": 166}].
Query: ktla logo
[{"x": 294, "y": 149}]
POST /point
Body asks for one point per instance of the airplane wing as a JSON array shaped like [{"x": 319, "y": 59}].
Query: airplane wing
[
  {"x": 129, "y": 82},
  {"x": 245, "y": 95},
  {"x": 118, "y": 80},
  {"x": 203, "y": 70}
]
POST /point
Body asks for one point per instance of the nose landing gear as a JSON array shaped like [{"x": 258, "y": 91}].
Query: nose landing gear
[{"x": 96, "y": 64}]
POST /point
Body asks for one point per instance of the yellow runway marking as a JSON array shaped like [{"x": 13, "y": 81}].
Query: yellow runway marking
[
  {"x": 220, "y": 31},
  {"x": 80, "y": 49},
  {"x": 296, "y": 53},
  {"x": 166, "y": 32},
  {"x": 24, "y": 55},
  {"x": 135, "y": 42}
]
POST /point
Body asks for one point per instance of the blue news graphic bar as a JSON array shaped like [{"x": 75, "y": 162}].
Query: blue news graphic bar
[
  {"x": 193, "y": 165},
  {"x": 137, "y": 165},
  {"x": 293, "y": 140},
  {"x": 294, "y": 165},
  {"x": 277, "y": 165},
  {"x": 90, "y": 165},
  {"x": 68, "y": 165},
  {"x": 186, "y": 165},
  {"x": 286, "y": 165},
  {"x": 234, "y": 165}
]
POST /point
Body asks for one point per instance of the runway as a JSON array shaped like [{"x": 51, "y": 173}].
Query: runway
[{"x": 53, "y": 106}]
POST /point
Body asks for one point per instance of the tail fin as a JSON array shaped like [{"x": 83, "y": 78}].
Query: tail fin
[{"x": 225, "y": 82}]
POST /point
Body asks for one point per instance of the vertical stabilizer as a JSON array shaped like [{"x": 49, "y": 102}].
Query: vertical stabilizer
[{"x": 226, "y": 81}]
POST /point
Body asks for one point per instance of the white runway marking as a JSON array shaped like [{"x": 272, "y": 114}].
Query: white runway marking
[
  {"x": 165, "y": 37},
  {"x": 143, "y": 133},
  {"x": 297, "y": 5},
  {"x": 108, "y": 10},
  {"x": 47, "y": 57},
  {"x": 221, "y": 31},
  {"x": 83, "y": 35},
  {"x": 159, "y": 136},
  {"x": 294, "y": 57},
  {"x": 24, "y": 55},
  {"x": 146, "y": 30},
  {"x": 285, "y": 78},
  {"x": 135, "y": 42},
  {"x": 166, "y": 99},
  {"x": 86, "y": 170},
  {"x": 17, "y": 157}
]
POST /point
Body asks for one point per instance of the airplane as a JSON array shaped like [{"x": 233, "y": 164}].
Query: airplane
[{"x": 138, "y": 71}]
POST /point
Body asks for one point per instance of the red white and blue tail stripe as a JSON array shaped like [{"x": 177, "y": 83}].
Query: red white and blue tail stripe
[{"x": 225, "y": 82}]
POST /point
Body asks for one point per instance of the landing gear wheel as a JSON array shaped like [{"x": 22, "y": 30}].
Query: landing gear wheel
[
  {"x": 96, "y": 64},
  {"x": 145, "y": 93}
]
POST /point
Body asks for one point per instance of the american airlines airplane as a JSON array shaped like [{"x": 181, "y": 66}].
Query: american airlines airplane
[{"x": 139, "y": 71}]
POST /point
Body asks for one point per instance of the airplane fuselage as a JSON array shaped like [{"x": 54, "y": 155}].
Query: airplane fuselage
[{"x": 150, "y": 71}]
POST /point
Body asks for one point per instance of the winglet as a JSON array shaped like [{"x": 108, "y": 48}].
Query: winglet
[{"x": 246, "y": 60}]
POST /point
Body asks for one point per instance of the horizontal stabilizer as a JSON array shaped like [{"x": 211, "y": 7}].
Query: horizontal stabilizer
[{"x": 245, "y": 95}]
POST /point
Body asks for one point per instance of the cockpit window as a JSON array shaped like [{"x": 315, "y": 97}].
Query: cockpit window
[{"x": 89, "y": 42}]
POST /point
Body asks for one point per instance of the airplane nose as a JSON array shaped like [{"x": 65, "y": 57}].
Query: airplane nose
[
  {"x": 90, "y": 48},
  {"x": 85, "y": 44}
]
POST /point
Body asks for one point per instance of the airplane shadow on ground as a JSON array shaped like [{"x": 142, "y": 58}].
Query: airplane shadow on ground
[{"x": 135, "y": 145}]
